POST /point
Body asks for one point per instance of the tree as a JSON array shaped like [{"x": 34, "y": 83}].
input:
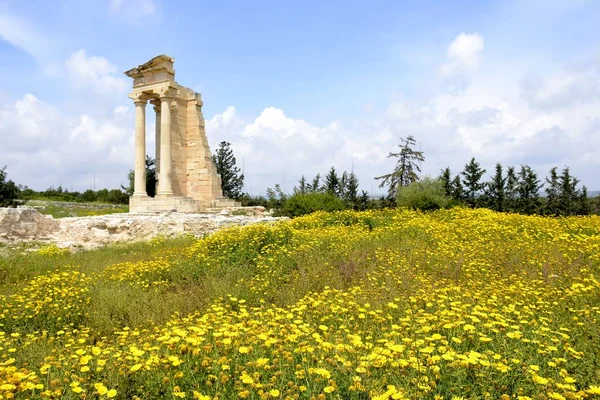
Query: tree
[
  {"x": 351, "y": 192},
  {"x": 569, "y": 194},
  {"x": 495, "y": 190},
  {"x": 407, "y": 167},
  {"x": 512, "y": 189},
  {"x": 303, "y": 187},
  {"x": 9, "y": 191},
  {"x": 529, "y": 186},
  {"x": 275, "y": 197},
  {"x": 332, "y": 183},
  {"x": 316, "y": 184},
  {"x": 150, "y": 179},
  {"x": 552, "y": 193},
  {"x": 446, "y": 180},
  {"x": 363, "y": 202},
  {"x": 343, "y": 186},
  {"x": 232, "y": 181},
  {"x": 584, "y": 204},
  {"x": 458, "y": 192},
  {"x": 472, "y": 175}
]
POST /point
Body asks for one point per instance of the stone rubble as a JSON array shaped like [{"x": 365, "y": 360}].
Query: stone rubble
[{"x": 27, "y": 224}]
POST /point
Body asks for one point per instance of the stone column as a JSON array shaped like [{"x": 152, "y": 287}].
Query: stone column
[
  {"x": 165, "y": 187},
  {"x": 140, "y": 145},
  {"x": 156, "y": 107}
]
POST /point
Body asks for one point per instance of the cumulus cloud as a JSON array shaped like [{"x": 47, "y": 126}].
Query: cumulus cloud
[
  {"x": 464, "y": 57},
  {"x": 95, "y": 78},
  {"x": 45, "y": 144},
  {"x": 43, "y": 147}
]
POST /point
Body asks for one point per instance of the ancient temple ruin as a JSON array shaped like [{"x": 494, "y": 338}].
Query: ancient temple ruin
[{"x": 187, "y": 176}]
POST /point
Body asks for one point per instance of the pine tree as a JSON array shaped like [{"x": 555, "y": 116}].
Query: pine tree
[
  {"x": 584, "y": 204},
  {"x": 302, "y": 186},
  {"x": 343, "y": 185},
  {"x": 552, "y": 193},
  {"x": 458, "y": 192},
  {"x": 495, "y": 191},
  {"x": 232, "y": 181},
  {"x": 332, "y": 183},
  {"x": 446, "y": 179},
  {"x": 316, "y": 184},
  {"x": 512, "y": 190},
  {"x": 363, "y": 202},
  {"x": 351, "y": 193},
  {"x": 407, "y": 167},
  {"x": 529, "y": 186},
  {"x": 569, "y": 194},
  {"x": 472, "y": 181}
]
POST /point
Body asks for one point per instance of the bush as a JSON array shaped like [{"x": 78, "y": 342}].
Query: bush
[
  {"x": 427, "y": 194},
  {"x": 301, "y": 204},
  {"x": 9, "y": 191}
]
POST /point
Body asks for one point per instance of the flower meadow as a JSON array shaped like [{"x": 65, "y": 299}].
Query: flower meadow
[{"x": 396, "y": 304}]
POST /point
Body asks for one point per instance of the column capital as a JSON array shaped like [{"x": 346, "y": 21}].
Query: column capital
[
  {"x": 139, "y": 97},
  {"x": 156, "y": 104},
  {"x": 166, "y": 92}
]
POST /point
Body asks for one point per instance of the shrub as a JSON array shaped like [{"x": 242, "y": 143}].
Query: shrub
[
  {"x": 9, "y": 191},
  {"x": 301, "y": 204},
  {"x": 427, "y": 194}
]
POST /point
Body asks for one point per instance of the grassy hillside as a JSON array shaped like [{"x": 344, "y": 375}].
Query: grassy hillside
[{"x": 387, "y": 305}]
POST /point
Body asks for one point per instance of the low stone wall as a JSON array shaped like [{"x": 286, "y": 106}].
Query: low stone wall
[{"x": 26, "y": 224}]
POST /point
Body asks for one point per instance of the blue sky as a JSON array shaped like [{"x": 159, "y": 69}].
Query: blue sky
[{"x": 300, "y": 86}]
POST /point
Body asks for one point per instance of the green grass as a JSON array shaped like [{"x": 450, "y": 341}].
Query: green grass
[{"x": 57, "y": 210}]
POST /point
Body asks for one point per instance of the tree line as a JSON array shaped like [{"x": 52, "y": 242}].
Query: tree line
[
  {"x": 517, "y": 191},
  {"x": 507, "y": 190}
]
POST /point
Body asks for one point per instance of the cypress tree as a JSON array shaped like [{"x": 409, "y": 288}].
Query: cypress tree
[
  {"x": 584, "y": 206},
  {"x": 232, "y": 181},
  {"x": 552, "y": 193},
  {"x": 446, "y": 179},
  {"x": 472, "y": 175},
  {"x": 302, "y": 186},
  {"x": 351, "y": 195},
  {"x": 495, "y": 191},
  {"x": 458, "y": 192},
  {"x": 316, "y": 184},
  {"x": 332, "y": 182},
  {"x": 528, "y": 189},
  {"x": 512, "y": 190},
  {"x": 569, "y": 194}
]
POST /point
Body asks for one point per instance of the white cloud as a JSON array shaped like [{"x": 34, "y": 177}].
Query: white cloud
[
  {"x": 25, "y": 36},
  {"x": 464, "y": 57},
  {"x": 95, "y": 77},
  {"x": 133, "y": 11},
  {"x": 71, "y": 142},
  {"x": 43, "y": 147}
]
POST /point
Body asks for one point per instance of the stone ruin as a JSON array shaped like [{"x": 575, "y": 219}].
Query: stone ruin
[{"x": 187, "y": 175}]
